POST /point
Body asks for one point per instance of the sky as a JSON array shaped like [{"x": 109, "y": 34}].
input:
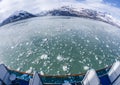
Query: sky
[
  {"x": 7, "y": 7},
  {"x": 113, "y": 2}
]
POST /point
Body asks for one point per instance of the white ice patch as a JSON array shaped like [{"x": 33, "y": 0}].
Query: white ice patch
[
  {"x": 37, "y": 60},
  {"x": 18, "y": 59},
  {"x": 41, "y": 72},
  {"x": 44, "y": 40},
  {"x": 60, "y": 58},
  {"x": 18, "y": 69},
  {"x": 29, "y": 70},
  {"x": 29, "y": 52},
  {"x": 71, "y": 60},
  {"x": 96, "y": 38},
  {"x": 27, "y": 43},
  {"x": 65, "y": 68},
  {"x": 44, "y": 56},
  {"x": 12, "y": 47},
  {"x": 96, "y": 57},
  {"x": 100, "y": 62},
  {"x": 107, "y": 46},
  {"x": 46, "y": 63},
  {"x": 88, "y": 41},
  {"x": 86, "y": 67}
]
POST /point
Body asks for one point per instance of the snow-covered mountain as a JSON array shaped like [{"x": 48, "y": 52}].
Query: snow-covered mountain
[
  {"x": 85, "y": 13},
  {"x": 65, "y": 11},
  {"x": 18, "y": 15}
]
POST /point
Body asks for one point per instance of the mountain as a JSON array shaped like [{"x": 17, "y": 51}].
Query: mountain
[
  {"x": 65, "y": 11},
  {"x": 19, "y": 15},
  {"x": 85, "y": 13}
]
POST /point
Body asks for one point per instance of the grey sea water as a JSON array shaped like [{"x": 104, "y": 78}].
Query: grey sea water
[{"x": 59, "y": 45}]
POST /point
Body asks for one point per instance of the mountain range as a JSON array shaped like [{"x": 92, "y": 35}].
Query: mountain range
[
  {"x": 64, "y": 11},
  {"x": 19, "y": 15}
]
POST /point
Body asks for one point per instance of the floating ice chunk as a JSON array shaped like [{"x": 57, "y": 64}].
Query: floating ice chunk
[
  {"x": 90, "y": 52},
  {"x": 48, "y": 67},
  {"x": 21, "y": 54},
  {"x": 80, "y": 61},
  {"x": 107, "y": 46},
  {"x": 79, "y": 44},
  {"x": 106, "y": 65},
  {"x": 73, "y": 42},
  {"x": 44, "y": 56},
  {"x": 68, "y": 29},
  {"x": 84, "y": 60},
  {"x": 58, "y": 72},
  {"x": 17, "y": 59},
  {"x": 101, "y": 50},
  {"x": 46, "y": 63},
  {"x": 60, "y": 58},
  {"x": 86, "y": 67},
  {"x": 12, "y": 47},
  {"x": 18, "y": 69},
  {"x": 88, "y": 41},
  {"x": 100, "y": 62},
  {"x": 29, "y": 70},
  {"x": 12, "y": 62},
  {"x": 63, "y": 51},
  {"x": 65, "y": 68},
  {"x": 45, "y": 39},
  {"x": 29, "y": 52},
  {"x": 71, "y": 60},
  {"x": 41, "y": 72},
  {"x": 96, "y": 57},
  {"x": 81, "y": 47},
  {"x": 96, "y": 38},
  {"x": 66, "y": 45}
]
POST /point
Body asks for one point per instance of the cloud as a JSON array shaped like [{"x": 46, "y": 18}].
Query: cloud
[
  {"x": 7, "y": 7},
  {"x": 94, "y": 1}
]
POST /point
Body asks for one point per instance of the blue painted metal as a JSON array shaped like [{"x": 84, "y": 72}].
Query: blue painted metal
[{"x": 74, "y": 79}]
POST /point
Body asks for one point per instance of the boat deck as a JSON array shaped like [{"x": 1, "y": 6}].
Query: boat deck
[
  {"x": 106, "y": 76},
  {"x": 23, "y": 78}
]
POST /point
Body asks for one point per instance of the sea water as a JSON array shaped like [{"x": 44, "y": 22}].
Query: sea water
[{"x": 58, "y": 45}]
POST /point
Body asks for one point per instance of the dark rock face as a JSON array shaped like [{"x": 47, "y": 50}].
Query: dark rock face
[
  {"x": 20, "y": 15},
  {"x": 61, "y": 13},
  {"x": 67, "y": 11}
]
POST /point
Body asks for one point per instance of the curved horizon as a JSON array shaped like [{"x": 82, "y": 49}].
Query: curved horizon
[{"x": 8, "y": 7}]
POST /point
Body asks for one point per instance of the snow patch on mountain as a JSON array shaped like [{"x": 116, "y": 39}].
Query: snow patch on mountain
[
  {"x": 85, "y": 13},
  {"x": 65, "y": 11},
  {"x": 18, "y": 15}
]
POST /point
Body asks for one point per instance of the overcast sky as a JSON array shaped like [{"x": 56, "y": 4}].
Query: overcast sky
[{"x": 7, "y": 7}]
